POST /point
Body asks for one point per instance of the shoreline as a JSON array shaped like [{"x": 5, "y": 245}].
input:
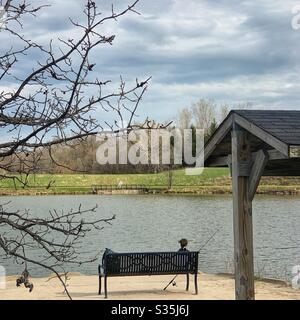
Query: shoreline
[
  {"x": 82, "y": 287},
  {"x": 193, "y": 190}
]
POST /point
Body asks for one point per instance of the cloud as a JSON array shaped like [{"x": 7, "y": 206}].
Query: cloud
[{"x": 233, "y": 51}]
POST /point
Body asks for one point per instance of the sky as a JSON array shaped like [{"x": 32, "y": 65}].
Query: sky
[{"x": 230, "y": 51}]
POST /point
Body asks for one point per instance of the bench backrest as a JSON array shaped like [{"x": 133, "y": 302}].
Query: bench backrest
[{"x": 146, "y": 263}]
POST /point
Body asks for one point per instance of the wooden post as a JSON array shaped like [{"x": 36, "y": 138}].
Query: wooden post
[{"x": 242, "y": 215}]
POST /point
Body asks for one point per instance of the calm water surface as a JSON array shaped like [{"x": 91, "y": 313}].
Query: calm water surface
[{"x": 157, "y": 222}]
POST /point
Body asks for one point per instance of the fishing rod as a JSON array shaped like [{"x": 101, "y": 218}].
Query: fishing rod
[
  {"x": 206, "y": 242},
  {"x": 209, "y": 239}
]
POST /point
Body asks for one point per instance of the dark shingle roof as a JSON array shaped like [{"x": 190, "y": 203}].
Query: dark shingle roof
[{"x": 283, "y": 124}]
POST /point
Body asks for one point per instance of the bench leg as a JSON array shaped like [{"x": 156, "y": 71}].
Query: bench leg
[
  {"x": 187, "y": 282},
  {"x": 105, "y": 287},
  {"x": 196, "y": 283},
  {"x": 100, "y": 283}
]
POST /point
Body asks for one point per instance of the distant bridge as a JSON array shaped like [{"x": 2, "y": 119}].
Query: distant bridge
[{"x": 111, "y": 187}]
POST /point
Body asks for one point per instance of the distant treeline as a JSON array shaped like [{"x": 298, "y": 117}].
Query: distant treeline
[{"x": 80, "y": 156}]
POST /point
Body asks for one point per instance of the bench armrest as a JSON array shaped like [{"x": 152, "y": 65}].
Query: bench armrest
[{"x": 100, "y": 270}]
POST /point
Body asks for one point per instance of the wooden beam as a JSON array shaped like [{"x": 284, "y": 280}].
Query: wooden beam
[
  {"x": 276, "y": 155},
  {"x": 223, "y": 161},
  {"x": 258, "y": 166},
  {"x": 218, "y": 136},
  {"x": 229, "y": 163},
  {"x": 219, "y": 161},
  {"x": 294, "y": 172},
  {"x": 242, "y": 215},
  {"x": 262, "y": 134}
]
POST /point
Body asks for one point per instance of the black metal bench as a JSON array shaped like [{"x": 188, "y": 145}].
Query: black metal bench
[{"x": 148, "y": 263}]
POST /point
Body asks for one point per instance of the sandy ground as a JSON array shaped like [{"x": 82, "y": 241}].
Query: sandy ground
[{"x": 211, "y": 287}]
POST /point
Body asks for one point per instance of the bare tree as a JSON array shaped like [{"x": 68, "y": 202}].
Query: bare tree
[
  {"x": 54, "y": 103},
  {"x": 225, "y": 109},
  {"x": 185, "y": 118},
  {"x": 204, "y": 114},
  {"x": 58, "y": 238}
]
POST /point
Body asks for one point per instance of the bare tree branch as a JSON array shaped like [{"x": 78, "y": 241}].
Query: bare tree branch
[{"x": 54, "y": 103}]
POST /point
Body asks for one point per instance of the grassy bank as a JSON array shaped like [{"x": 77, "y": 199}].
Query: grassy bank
[{"x": 212, "y": 181}]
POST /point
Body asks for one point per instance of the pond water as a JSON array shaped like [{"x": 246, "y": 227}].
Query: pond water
[{"x": 157, "y": 222}]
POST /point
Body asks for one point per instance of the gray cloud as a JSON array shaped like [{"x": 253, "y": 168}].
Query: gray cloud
[{"x": 232, "y": 51}]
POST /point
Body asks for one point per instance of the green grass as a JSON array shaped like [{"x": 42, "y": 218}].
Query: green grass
[
  {"x": 211, "y": 181},
  {"x": 78, "y": 182}
]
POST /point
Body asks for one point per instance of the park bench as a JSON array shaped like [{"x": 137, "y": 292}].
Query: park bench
[{"x": 148, "y": 263}]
